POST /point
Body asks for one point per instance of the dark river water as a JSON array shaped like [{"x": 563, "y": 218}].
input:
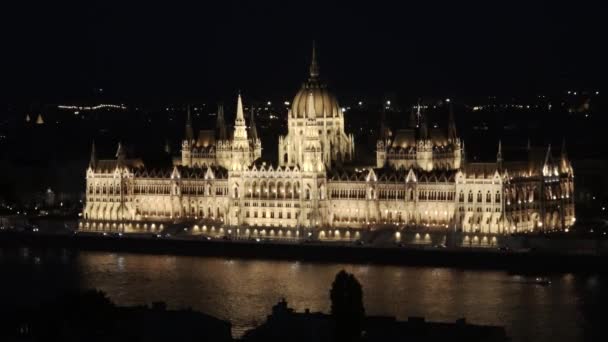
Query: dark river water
[{"x": 243, "y": 291}]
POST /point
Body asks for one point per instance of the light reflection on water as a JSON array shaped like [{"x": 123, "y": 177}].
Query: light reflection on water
[{"x": 243, "y": 291}]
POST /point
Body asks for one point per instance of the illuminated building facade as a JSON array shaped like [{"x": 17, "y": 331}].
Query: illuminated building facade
[{"x": 421, "y": 180}]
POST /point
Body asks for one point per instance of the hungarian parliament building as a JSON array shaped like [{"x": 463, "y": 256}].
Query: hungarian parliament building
[{"x": 421, "y": 182}]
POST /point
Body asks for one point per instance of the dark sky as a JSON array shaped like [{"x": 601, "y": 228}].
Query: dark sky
[{"x": 151, "y": 51}]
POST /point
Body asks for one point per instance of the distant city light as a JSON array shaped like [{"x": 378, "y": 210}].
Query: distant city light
[
  {"x": 447, "y": 100},
  {"x": 99, "y": 106},
  {"x": 360, "y": 103},
  {"x": 286, "y": 103},
  {"x": 388, "y": 102},
  {"x": 268, "y": 103}
]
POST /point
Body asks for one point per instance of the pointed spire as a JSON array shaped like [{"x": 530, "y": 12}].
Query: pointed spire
[
  {"x": 413, "y": 123},
  {"x": 499, "y": 154},
  {"x": 221, "y": 123},
  {"x": 314, "y": 67},
  {"x": 548, "y": 155},
  {"x": 547, "y": 168},
  {"x": 384, "y": 131},
  {"x": 240, "y": 118},
  {"x": 167, "y": 147},
  {"x": 424, "y": 128},
  {"x": 240, "y": 129},
  {"x": 452, "y": 134},
  {"x": 121, "y": 154},
  {"x": 189, "y": 133},
  {"x": 464, "y": 153},
  {"x": 253, "y": 130},
  {"x": 564, "y": 162},
  {"x": 93, "y": 161},
  {"x": 415, "y": 116}
]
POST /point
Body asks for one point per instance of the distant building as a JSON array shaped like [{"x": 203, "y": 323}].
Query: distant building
[{"x": 421, "y": 179}]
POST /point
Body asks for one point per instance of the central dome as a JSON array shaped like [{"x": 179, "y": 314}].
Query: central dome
[{"x": 325, "y": 103}]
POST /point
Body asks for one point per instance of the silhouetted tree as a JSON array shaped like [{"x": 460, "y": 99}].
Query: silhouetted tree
[{"x": 347, "y": 307}]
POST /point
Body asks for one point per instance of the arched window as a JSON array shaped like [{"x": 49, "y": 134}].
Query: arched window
[
  {"x": 470, "y": 197},
  {"x": 488, "y": 197},
  {"x": 461, "y": 197},
  {"x": 479, "y": 197},
  {"x": 285, "y": 158},
  {"x": 497, "y": 198},
  {"x": 236, "y": 192}
]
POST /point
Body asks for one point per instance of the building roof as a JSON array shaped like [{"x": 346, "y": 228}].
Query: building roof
[{"x": 109, "y": 165}]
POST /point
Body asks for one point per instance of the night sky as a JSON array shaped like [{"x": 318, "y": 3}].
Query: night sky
[{"x": 148, "y": 51}]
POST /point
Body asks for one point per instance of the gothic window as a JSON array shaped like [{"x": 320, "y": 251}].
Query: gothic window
[
  {"x": 479, "y": 197},
  {"x": 497, "y": 198},
  {"x": 488, "y": 197},
  {"x": 470, "y": 197}
]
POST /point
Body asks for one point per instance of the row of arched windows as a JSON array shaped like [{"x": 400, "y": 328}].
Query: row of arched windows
[
  {"x": 479, "y": 197},
  {"x": 104, "y": 189},
  {"x": 433, "y": 195}
]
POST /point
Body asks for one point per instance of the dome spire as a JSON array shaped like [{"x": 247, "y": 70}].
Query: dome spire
[{"x": 314, "y": 67}]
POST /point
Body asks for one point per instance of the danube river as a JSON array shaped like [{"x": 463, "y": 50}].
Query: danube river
[{"x": 243, "y": 291}]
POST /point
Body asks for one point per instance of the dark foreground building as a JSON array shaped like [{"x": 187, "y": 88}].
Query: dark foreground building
[
  {"x": 286, "y": 325},
  {"x": 92, "y": 317}
]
